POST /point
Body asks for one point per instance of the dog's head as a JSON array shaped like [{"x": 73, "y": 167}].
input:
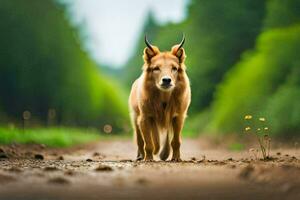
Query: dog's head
[{"x": 164, "y": 68}]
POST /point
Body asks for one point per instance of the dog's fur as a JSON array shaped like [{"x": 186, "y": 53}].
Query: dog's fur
[{"x": 155, "y": 109}]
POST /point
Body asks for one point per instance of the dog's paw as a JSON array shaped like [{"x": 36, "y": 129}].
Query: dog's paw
[
  {"x": 139, "y": 159},
  {"x": 176, "y": 160},
  {"x": 148, "y": 159}
]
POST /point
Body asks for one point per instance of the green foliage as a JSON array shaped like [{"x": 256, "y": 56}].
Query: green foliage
[
  {"x": 194, "y": 124},
  {"x": 284, "y": 110},
  {"x": 217, "y": 34},
  {"x": 266, "y": 81},
  {"x": 44, "y": 67},
  {"x": 52, "y": 137},
  {"x": 282, "y": 13},
  {"x": 254, "y": 85}
]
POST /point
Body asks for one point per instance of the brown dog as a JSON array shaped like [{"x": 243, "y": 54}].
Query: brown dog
[{"x": 159, "y": 101}]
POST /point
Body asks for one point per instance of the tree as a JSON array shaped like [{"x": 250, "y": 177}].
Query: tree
[{"x": 44, "y": 67}]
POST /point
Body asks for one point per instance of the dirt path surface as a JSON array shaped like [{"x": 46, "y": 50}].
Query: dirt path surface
[{"x": 107, "y": 170}]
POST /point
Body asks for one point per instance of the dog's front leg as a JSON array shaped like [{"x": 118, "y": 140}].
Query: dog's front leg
[
  {"x": 177, "y": 124},
  {"x": 146, "y": 129}
]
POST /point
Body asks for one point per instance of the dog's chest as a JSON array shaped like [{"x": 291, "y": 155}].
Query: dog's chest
[
  {"x": 164, "y": 112},
  {"x": 164, "y": 105}
]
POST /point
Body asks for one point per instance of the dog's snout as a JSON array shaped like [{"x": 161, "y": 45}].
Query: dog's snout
[
  {"x": 166, "y": 80},
  {"x": 166, "y": 83}
]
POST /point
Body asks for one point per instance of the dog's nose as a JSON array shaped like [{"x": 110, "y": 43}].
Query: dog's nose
[{"x": 166, "y": 81}]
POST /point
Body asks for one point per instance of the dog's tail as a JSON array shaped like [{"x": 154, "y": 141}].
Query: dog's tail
[{"x": 164, "y": 154}]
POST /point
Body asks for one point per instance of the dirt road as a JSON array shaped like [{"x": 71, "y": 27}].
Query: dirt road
[{"x": 107, "y": 170}]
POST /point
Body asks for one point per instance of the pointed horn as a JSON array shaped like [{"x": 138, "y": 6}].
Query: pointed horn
[
  {"x": 182, "y": 41},
  {"x": 148, "y": 43}
]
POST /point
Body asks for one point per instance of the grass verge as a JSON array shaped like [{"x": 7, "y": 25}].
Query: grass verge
[{"x": 52, "y": 137}]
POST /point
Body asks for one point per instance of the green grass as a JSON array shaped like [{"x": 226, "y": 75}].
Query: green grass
[
  {"x": 236, "y": 146},
  {"x": 52, "y": 137}
]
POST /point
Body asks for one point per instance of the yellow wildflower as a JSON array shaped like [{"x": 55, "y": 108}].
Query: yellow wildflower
[
  {"x": 262, "y": 119},
  {"x": 248, "y": 117},
  {"x": 248, "y": 128}
]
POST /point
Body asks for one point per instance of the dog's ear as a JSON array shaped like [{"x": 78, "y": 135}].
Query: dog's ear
[
  {"x": 150, "y": 53},
  {"x": 179, "y": 53},
  {"x": 178, "y": 50}
]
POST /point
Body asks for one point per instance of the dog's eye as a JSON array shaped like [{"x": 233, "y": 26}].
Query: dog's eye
[
  {"x": 156, "y": 69},
  {"x": 174, "y": 69}
]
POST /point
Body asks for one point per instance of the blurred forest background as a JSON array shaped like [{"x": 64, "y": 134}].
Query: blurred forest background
[{"x": 242, "y": 59}]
